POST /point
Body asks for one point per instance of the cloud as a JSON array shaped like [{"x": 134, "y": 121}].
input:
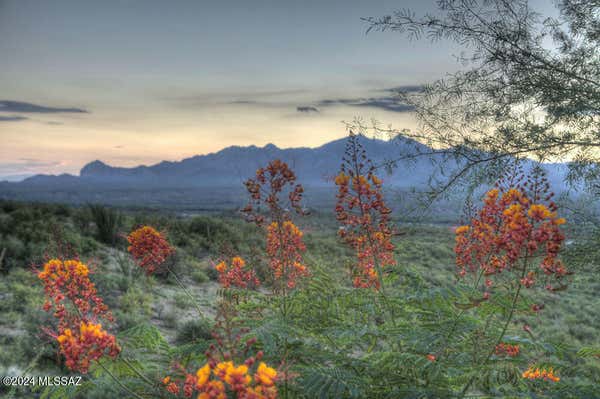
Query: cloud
[
  {"x": 382, "y": 98},
  {"x": 392, "y": 103},
  {"x": 242, "y": 102},
  {"x": 12, "y": 118},
  {"x": 19, "y": 106},
  {"x": 24, "y": 166},
  {"x": 307, "y": 109},
  {"x": 405, "y": 89},
  {"x": 388, "y": 103}
]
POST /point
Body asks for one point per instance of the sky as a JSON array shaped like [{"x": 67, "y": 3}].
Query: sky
[{"x": 135, "y": 82}]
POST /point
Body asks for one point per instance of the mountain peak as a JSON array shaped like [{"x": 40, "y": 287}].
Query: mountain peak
[{"x": 94, "y": 168}]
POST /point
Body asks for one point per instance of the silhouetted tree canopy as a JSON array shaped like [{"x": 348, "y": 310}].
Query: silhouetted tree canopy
[{"x": 530, "y": 86}]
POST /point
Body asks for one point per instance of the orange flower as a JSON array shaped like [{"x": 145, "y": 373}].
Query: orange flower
[
  {"x": 265, "y": 375},
  {"x": 364, "y": 216},
  {"x": 503, "y": 349},
  {"x": 537, "y": 373},
  {"x": 80, "y": 340},
  {"x": 202, "y": 375},
  {"x": 462, "y": 229},
  {"x": 284, "y": 248},
  {"x": 284, "y": 239},
  {"x": 236, "y": 275},
  {"x": 540, "y": 212},
  {"x": 507, "y": 229},
  {"x": 149, "y": 248},
  {"x": 89, "y": 343},
  {"x": 227, "y": 377},
  {"x": 237, "y": 377},
  {"x": 214, "y": 390}
]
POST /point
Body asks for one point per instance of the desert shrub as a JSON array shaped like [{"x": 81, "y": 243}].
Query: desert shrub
[
  {"x": 182, "y": 301},
  {"x": 199, "y": 276},
  {"x": 135, "y": 300},
  {"x": 107, "y": 222},
  {"x": 192, "y": 331}
]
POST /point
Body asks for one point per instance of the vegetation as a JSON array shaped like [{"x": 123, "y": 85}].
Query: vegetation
[{"x": 281, "y": 307}]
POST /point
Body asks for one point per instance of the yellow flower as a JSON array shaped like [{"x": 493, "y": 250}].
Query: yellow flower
[
  {"x": 462, "y": 229},
  {"x": 221, "y": 369},
  {"x": 90, "y": 328},
  {"x": 203, "y": 375},
  {"x": 238, "y": 261},
  {"x": 65, "y": 336},
  {"x": 534, "y": 374},
  {"x": 221, "y": 267},
  {"x": 342, "y": 179},
  {"x": 237, "y": 374},
  {"x": 540, "y": 211},
  {"x": 492, "y": 194},
  {"x": 265, "y": 375}
]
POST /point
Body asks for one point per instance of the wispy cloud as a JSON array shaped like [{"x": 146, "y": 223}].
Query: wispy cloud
[
  {"x": 307, "y": 109},
  {"x": 25, "y": 167},
  {"x": 389, "y": 100},
  {"x": 386, "y": 103},
  {"x": 12, "y": 118},
  {"x": 23, "y": 107},
  {"x": 384, "y": 98}
]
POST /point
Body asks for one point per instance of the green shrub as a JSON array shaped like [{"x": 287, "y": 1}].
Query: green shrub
[
  {"x": 199, "y": 276},
  {"x": 192, "y": 331},
  {"x": 182, "y": 301},
  {"x": 107, "y": 221},
  {"x": 136, "y": 301}
]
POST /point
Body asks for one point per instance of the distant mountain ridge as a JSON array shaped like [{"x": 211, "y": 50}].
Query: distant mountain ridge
[
  {"x": 232, "y": 165},
  {"x": 225, "y": 171}
]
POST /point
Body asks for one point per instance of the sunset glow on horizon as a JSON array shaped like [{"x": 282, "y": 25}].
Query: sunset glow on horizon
[{"x": 132, "y": 82}]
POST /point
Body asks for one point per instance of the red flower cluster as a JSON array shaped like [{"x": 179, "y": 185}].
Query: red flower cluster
[
  {"x": 236, "y": 274},
  {"x": 80, "y": 340},
  {"x": 227, "y": 372},
  {"x": 284, "y": 239},
  {"x": 215, "y": 380},
  {"x": 284, "y": 248},
  {"x": 149, "y": 248},
  {"x": 87, "y": 343},
  {"x": 540, "y": 374},
  {"x": 364, "y": 216},
  {"x": 270, "y": 182},
  {"x": 513, "y": 227},
  {"x": 503, "y": 349}
]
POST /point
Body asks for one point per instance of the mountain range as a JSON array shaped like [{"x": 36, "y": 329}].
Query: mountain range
[{"x": 201, "y": 178}]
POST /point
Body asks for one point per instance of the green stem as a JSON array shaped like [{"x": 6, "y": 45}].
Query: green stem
[
  {"x": 506, "y": 324},
  {"x": 185, "y": 290},
  {"x": 118, "y": 381},
  {"x": 137, "y": 372}
]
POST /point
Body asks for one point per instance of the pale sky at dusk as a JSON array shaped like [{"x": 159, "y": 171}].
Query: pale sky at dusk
[{"x": 165, "y": 80}]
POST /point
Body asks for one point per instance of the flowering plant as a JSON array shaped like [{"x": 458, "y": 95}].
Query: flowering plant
[
  {"x": 284, "y": 239},
  {"x": 78, "y": 308},
  {"x": 149, "y": 248},
  {"x": 364, "y": 216}
]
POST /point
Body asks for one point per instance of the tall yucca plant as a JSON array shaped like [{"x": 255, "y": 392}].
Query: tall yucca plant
[{"x": 107, "y": 221}]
